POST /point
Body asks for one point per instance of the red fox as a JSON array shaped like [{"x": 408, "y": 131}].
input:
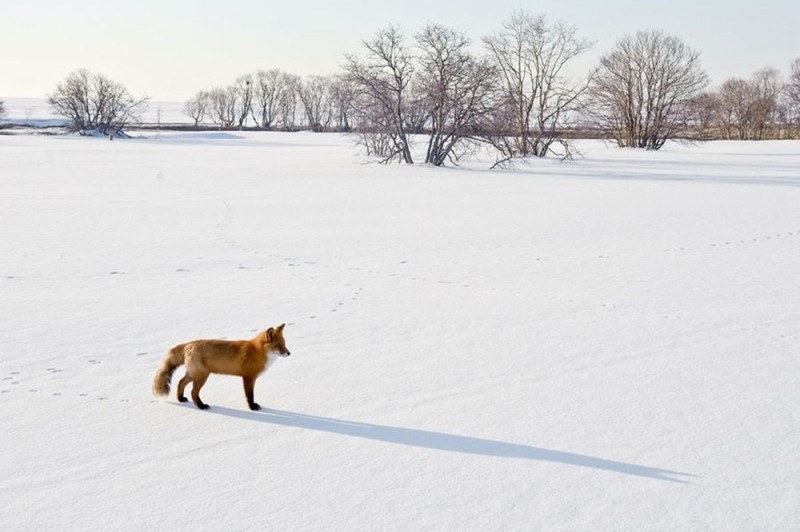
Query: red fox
[{"x": 245, "y": 358}]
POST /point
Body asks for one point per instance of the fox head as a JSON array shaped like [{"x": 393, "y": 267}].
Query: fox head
[{"x": 275, "y": 342}]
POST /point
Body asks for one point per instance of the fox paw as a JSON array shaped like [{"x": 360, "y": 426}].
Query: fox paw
[
  {"x": 203, "y": 406},
  {"x": 183, "y": 400},
  {"x": 254, "y": 406}
]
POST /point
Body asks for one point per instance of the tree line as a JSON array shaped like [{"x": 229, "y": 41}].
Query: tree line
[
  {"x": 512, "y": 93},
  {"x": 274, "y": 100},
  {"x": 764, "y": 106}
]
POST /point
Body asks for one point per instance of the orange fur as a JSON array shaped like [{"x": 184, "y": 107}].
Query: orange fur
[{"x": 244, "y": 358}]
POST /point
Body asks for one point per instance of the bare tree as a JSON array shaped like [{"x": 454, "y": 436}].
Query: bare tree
[
  {"x": 93, "y": 102},
  {"x": 454, "y": 87},
  {"x": 766, "y": 87},
  {"x": 288, "y": 104},
  {"x": 382, "y": 78},
  {"x": 242, "y": 88},
  {"x": 702, "y": 115},
  {"x": 196, "y": 108},
  {"x": 342, "y": 97},
  {"x": 268, "y": 92},
  {"x": 315, "y": 96},
  {"x": 735, "y": 101},
  {"x": 793, "y": 85},
  {"x": 783, "y": 120},
  {"x": 222, "y": 106},
  {"x": 417, "y": 110},
  {"x": 762, "y": 107},
  {"x": 792, "y": 91},
  {"x": 642, "y": 87},
  {"x": 749, "y": 109},
  {"x": 532, "y": 56},
  {"x": 2, "y": 109}
]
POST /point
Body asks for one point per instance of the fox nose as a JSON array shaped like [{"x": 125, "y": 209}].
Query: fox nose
[{"x": 288, "y": 353}]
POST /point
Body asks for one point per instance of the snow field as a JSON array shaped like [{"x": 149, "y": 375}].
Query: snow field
[{"x": 607, "y": 343}]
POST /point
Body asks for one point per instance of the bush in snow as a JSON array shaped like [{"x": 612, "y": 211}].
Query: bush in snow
[{"x": 92, "y": 102}]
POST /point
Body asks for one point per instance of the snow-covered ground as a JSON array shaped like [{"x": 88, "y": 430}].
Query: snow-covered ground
[{"x": 609, "y": 343}]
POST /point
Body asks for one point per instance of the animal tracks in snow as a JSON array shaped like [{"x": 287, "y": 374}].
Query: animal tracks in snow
[
  {"x": 737, "y": 242},
  {"x": 50, "y": 382},
  {"x": 43, "y": 392},
  {"x": 319, "y": 271}
]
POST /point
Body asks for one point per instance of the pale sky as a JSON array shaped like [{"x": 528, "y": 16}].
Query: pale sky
[{"x": 170, "y": 49}]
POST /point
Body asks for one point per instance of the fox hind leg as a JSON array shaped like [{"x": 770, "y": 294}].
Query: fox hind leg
[
  {"x": 182, "y": 386},
  {"x": 197, "y": 383}
]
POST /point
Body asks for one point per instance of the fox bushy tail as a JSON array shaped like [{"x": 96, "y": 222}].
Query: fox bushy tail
[{"x": 172, "y": 360}]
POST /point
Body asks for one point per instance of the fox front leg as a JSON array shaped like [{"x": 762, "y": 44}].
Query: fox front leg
[{"x": 249, "y": 386}]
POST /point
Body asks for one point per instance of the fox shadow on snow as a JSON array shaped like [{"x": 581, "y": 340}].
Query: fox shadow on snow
[{"x": 446, "y": 442}]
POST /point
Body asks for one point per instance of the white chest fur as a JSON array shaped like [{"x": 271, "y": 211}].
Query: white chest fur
[{"x": 271, "y": 358}]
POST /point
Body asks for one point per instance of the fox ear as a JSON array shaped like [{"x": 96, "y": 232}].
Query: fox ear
[
  {"x": 270, "y": 334},
  {"x": 281, "y": 326}
]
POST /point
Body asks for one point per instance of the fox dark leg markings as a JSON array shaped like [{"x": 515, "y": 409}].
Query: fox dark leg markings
[
  {"x": 197, "y": 384},
  {"x": 182, "y": 386},
  {"x": 249, "y": 392}
]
